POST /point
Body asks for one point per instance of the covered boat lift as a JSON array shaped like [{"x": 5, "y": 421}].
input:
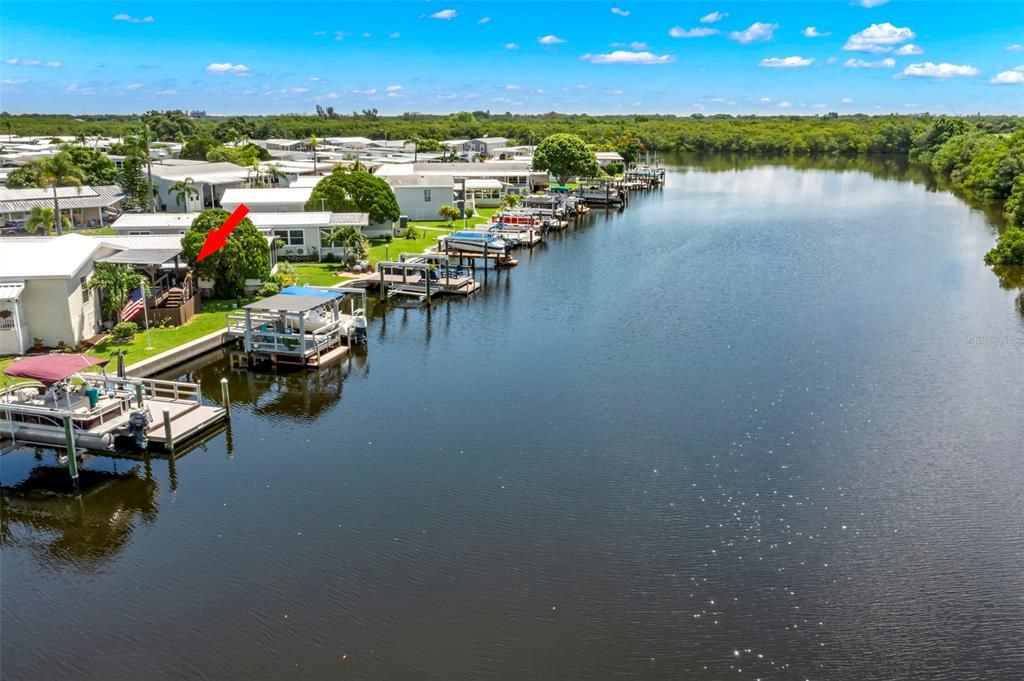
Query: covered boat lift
[{"x": 302, "y": 325}]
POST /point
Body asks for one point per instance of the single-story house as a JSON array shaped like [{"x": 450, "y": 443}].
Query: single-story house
[
  {"x": 301, "y": 233},
  {"x": 43, "y": 292},
  {"x": 515, "y": 176},
  {"x": 284, "y": 200},
  {"x": 485, "y": 192},
  {"x": 605, "y": 158},
  {"x": 420, "y": 196},
  {"x": 486, "y": 146},
  {"x": 211, "y": 180},
  {"x": 85, "y": 206}
]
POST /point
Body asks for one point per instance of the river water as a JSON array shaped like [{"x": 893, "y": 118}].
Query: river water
[{"x": 765, "y": 423}]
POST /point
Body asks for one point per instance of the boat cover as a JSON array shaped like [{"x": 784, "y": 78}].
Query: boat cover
[
  {"x": 49, "y": 369},
  {"x": 309, "y": 291}
]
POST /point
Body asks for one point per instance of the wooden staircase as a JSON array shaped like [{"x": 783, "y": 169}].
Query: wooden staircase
[{"x": 174, "y": 298}]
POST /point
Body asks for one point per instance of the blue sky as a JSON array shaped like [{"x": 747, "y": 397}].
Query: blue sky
[{"x": 259, "y": 56}]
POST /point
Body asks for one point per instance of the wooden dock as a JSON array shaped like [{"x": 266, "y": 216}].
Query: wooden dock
[{"x": 187, "y": 419}]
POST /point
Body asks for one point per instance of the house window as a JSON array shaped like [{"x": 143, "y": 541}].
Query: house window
[
  {"x": 141, "y": 233},
  {"x": 291, "y": 237},
  {"x": 84, "y": 282},
  {"x": 426, "y": 196}
]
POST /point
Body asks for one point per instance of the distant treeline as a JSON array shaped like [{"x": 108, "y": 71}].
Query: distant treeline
[
  {"x": 983, "y": 155},
  {"x": 828, "y": 133}
]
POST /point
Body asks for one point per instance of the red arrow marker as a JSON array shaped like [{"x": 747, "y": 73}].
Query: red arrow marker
[{"x": 216, "y": 238}]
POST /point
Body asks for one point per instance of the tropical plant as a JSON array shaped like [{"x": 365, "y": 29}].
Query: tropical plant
[
  {"x": 449, "y": 213},
  {"x": 41, "y": 218},
  {"x": 139, "y": 142},
  {"x": 132, "y": 180},
  {"x": 272, "y": 173},
  {"x": 564, "y": 156},
  {"x": 343, "y": 192},
  {"x": 314, "y": 143},
  {"x": 245, "y": 254},
  {"x": 124, "y": 332},
  {"x": 345, "y": 236},
  {"x": 510, "y": 200},
  {"x": 182, "y": 190},
  {"x": 117, "y": 283},
  {"x": 59, "y": 171}
]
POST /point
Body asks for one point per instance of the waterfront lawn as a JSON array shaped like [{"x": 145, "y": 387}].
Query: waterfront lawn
[
  {"x": 212, "y": 318},
  {"x": 427, "y": 232},
  {"x": 97, "y": 231},
  {"x": 319, "y": 273}
]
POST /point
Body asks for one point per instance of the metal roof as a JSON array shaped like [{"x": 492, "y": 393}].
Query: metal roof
[
  {"x": 266, "y": 220},
  {"x": 288, "y": 303},
  {"x": 46, "y": 257},
  {"x": 421, "y": 181},
  {"x": 24, "y": 200},
  {"x": 143, "y": 256},
  {"x": 253, "y": 197}
]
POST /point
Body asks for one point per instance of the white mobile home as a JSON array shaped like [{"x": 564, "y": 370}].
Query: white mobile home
[
  {"x": 43, "y": 293},
  {"x": 85, "y": 206},
  {"x": 210, "y": 180},
  {"x": 420, "y": 196},
  {"x": 285, "y": 200}
]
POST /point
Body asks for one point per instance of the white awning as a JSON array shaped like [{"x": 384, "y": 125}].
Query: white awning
[{"x": 11, "y": 290}]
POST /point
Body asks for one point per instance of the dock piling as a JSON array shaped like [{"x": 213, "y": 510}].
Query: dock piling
[
  {"x": 225, "y": 397},
  {"x": 138, "y": 394},
  {"x": 168, "y": 434},
  {"x": 69, "y": 441}
]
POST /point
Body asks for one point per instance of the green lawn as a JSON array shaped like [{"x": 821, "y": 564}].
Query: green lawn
[
  {"x": 319, "y": 273},
  {"x": 212, "y": 318},
  {"x": 97, "y": 231},
  {"x": 427, "y": 232}
]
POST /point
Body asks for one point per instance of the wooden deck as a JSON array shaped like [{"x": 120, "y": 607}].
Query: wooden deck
[{"x": 187, "y": 419}]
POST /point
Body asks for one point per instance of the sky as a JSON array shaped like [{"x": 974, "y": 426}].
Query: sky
[{"x": 762, "y": 57}]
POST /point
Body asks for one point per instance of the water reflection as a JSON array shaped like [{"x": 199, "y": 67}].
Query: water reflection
[{"x": 82, "y": 531}]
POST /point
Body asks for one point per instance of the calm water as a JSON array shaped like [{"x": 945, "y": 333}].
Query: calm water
[{"x": 765, "y": 423}]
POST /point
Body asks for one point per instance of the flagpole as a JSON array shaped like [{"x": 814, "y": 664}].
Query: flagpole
[{"x": 145, "y": 311}]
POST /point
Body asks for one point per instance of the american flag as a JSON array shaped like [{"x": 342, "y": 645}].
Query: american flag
[{"x": 134, "y": 305}]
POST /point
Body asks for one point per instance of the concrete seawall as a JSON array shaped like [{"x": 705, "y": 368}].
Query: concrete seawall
[{"x": 182, "y": 353}]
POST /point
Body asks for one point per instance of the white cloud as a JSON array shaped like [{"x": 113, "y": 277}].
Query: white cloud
[
  {"x": 366, "y": 34},
  {"x": 295, "y": 90},
  {"x": 511, "y": 46},
  {"x": 714, "y": 17},
  {"x": 766, "y": 99},
  {"x": 943, "y": 70},
  {"x": 14, "y": 61},
  {"x": 314, "y": 78},
  {"x": 483, "y": 20},
  {"x": 627, "y": 57},
  {"x": 868, "y": 3},
  {"x": 393, "y": 88},
  {"x": 1016, "y": 47},
  {"x": 635, "y": 45},
  {"x": 1014, "y": 76},
  {"x": 14, "y": 81},
  {"x": 786, "y": 62},
  {"x": 134, "y": 86},
  {"x": 450, "y": 95},
  {"x": 550, "y": 40},
  {"x": 887, "y": 63},
  {"x": 847, "y": 100},
  {"x": 340, "y": 35},
  {"x": 394, "y": 35},
  {"x": 84, "y": 91},
  {"x": 909, "y": 49},
  {"x": 878, "y": 38},
  {"x": 679, "y": 32},
  {"x": 445, "y": 14},
  {"x": 615, "y": 92},
  {"x": 621, "y": 12},
  {"x": 813, "y": 32},
  {"x": 511, "y": 87},
  {"x": 133, "y": 20},
  {"x": 319, "y": 33},
  {"x": 832, "y": 60},
  {"x": 784, "y": 104},
  {"x": 227, "y": 67},
  {"x": 166, "y": 93},
  {"x": 757, "y": 32}
]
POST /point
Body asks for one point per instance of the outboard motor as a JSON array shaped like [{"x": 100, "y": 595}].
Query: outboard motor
[
  {"x": 359, "y": 334},
  {"x": 138, "y": 424}
]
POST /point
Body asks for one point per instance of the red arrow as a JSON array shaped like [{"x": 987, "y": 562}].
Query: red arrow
[{"x": 216, "y": 238}]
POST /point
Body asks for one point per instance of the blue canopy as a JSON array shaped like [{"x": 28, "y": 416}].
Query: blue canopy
[{"x": 309, "y": 291}]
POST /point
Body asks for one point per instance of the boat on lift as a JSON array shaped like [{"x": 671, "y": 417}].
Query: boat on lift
[{"x": 473, "y": 242}]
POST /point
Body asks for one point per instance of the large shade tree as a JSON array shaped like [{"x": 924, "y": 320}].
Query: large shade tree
[
  {"x": 564, "y": 156},
  {"x": 355, "y": 192},
  {"x": 245, "y": 255}
]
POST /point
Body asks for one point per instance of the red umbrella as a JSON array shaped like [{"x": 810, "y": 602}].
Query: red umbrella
[{"x": 50, "y": 369}]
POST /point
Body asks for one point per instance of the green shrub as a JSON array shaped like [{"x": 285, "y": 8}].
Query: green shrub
[
  {"x": 411, "y": 233},
  {"x": 124, "y": 332},
  {"x": 269, "y": 288},
  {"x": 331, "y": 257}
]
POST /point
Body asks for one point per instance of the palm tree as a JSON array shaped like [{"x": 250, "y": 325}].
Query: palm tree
[
  {"x": 314, "y": 142},
  {"x": 347, "y": 237},
  {"x": 41, "y": 218},
  {"x": 140, "y": 140},
  {"x": 182, "y": 189},
  {"x": 117, "y": 282},
  {"x": 59, "y": 171},
  {"x": 273, "y": 172}
]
